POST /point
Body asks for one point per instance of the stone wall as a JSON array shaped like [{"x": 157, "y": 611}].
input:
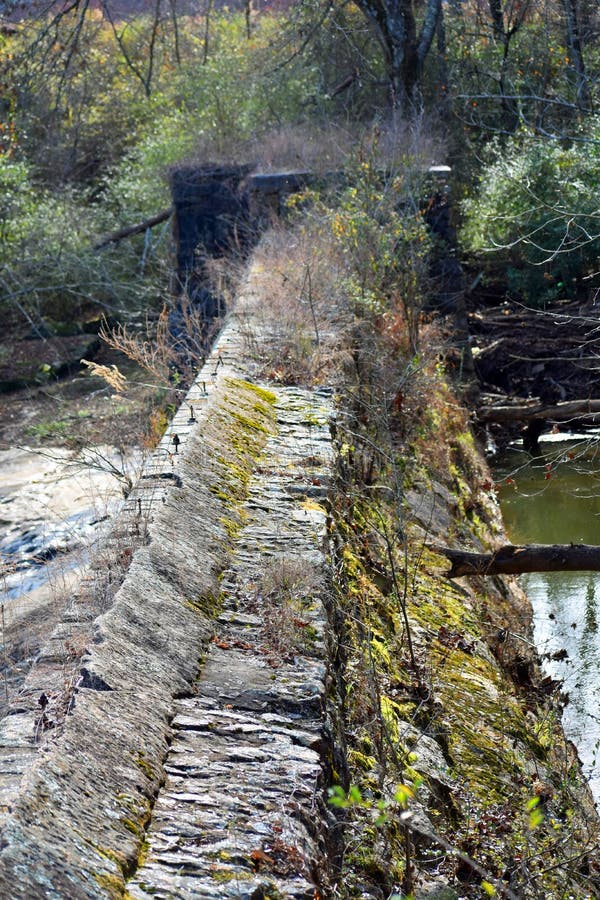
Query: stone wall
[{"x": 206, "y": 675}]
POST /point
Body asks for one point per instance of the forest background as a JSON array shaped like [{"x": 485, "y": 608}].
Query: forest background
[{"x": 100, "y": 99}]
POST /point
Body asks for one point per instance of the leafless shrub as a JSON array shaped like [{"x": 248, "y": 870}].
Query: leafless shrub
[
  {"x": 305, "y": 148},
  {"x": 329, "y": 148},
  {"x": 302, "y": 307},
  {"x": 155, "y": 350},
  {"x": 290, "y": 576}
]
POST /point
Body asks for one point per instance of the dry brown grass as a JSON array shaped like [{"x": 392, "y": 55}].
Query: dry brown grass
[
  {"x": 154, "y": 350},
  {"x": 329, "y": 147},
  {"x": 283, "y": 597},
  {"x": 303, "y": 311}
]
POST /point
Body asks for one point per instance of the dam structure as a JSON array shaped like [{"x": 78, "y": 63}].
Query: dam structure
[{"x": 196, "y": 744}]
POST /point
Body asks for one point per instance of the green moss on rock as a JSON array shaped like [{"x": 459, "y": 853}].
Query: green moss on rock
[{"x": 447, "y": 711}]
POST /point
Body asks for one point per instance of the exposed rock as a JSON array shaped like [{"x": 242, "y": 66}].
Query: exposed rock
[{"x": 249, "y": 744}]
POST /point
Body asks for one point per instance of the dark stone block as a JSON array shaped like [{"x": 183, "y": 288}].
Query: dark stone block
[{"x": 211, "y": 210}]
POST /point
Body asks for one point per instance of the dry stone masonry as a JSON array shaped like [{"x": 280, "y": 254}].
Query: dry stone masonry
[
  {"x": 196, "y": 744},
  {"x": 241, "y": 809}
]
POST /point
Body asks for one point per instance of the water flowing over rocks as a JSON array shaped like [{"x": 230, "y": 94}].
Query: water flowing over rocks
[
  {"x": 52, "y": 504},
  {"x": 192, "y": 751}
]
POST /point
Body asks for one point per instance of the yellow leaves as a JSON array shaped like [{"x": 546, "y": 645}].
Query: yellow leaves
[
  {"x": 338, "y": 226},
  {"x": 404, "y": 793}
]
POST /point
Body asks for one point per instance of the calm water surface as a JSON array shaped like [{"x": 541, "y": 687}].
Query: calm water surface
[{"x": 557, "y": 500}]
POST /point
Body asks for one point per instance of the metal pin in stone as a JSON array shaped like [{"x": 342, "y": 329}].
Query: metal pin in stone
[{"x": 176, "y": 442}]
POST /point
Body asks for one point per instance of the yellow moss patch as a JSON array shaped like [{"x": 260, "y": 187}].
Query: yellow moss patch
[
  {"x": 113, "y": 855},
  {"x": 313, "y": 505},
  {"x": 361, "y": 761},
  {"x": 145, "y": 766},
  {"x": 223, "y": 875},
  {"x": 489, "y": 733},
  {"x": 112, "y": 885},
  {"x": 268, "y": 397}
]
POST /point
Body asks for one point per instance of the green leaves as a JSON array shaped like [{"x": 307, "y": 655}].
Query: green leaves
[
  {"x": 382, "y": 808},
  {"x": 535, "y": 814},
  {"x": 536, "y": 212}
]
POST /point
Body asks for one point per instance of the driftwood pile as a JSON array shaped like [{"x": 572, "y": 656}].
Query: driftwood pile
[
  {"x": 538, "y": 371},
  {"x": 526, "y": 358}
]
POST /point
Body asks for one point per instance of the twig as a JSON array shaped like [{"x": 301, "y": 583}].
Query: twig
[{"x": 307, "y": 281}]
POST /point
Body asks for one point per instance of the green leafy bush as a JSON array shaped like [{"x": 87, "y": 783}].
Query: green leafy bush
[
  {"x": 522, "y": 76},
  {"x": 213, "y": 109},
  {"x": 91, "y": 147},
  {"x": 535, "y": 212},
  {"x": 15, "y": 195},
  {"x": 49, "y": 269},
  {"x": 378, "y": 225}
]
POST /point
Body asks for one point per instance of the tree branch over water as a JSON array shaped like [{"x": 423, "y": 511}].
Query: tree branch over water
[
  {"x": 529, "y": 410},
  {"x": 516, "y": 560}
]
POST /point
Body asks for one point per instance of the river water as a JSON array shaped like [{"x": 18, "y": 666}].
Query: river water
[
  {"x": 556, "y": 499},
  {"x": 53, "y": 507}
]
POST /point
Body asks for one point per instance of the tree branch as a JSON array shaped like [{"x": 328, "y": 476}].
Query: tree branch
[
  {"x": 428, "y": 30},
  {"x": 115, "y": 236},
  {"x": 515, "y": 560},
  {"x": 560, "y": 412}
]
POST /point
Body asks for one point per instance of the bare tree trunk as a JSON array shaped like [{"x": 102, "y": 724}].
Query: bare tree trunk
[
  {"x": 507, "y": 20},
  {"x": 428, "y": 30},
  {"x": 442, "y": 65},
  {"x": 574, "y": 45},
  {"x": 514, "y": 560},
  {"x": 404, "y": 46},
  {"x": 175, "y": 21},
  {"x": 153, "y": 36},
  {"x": 497, "y": 16}
]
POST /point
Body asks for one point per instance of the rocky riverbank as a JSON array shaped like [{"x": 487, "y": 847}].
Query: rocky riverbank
[{"x": 55, "y": 508}]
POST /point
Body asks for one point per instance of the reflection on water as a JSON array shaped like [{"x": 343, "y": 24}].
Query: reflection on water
[{"x": 556, "y": 500}]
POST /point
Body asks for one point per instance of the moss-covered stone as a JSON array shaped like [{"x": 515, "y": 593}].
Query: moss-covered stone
[{"x": 432, "y": 698}]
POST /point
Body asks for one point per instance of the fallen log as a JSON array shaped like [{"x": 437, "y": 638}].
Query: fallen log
[
  {"x": 115, "y": 236},
  {"x": 516, "y": 560},
  {"x": 559, "y": 412}
]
